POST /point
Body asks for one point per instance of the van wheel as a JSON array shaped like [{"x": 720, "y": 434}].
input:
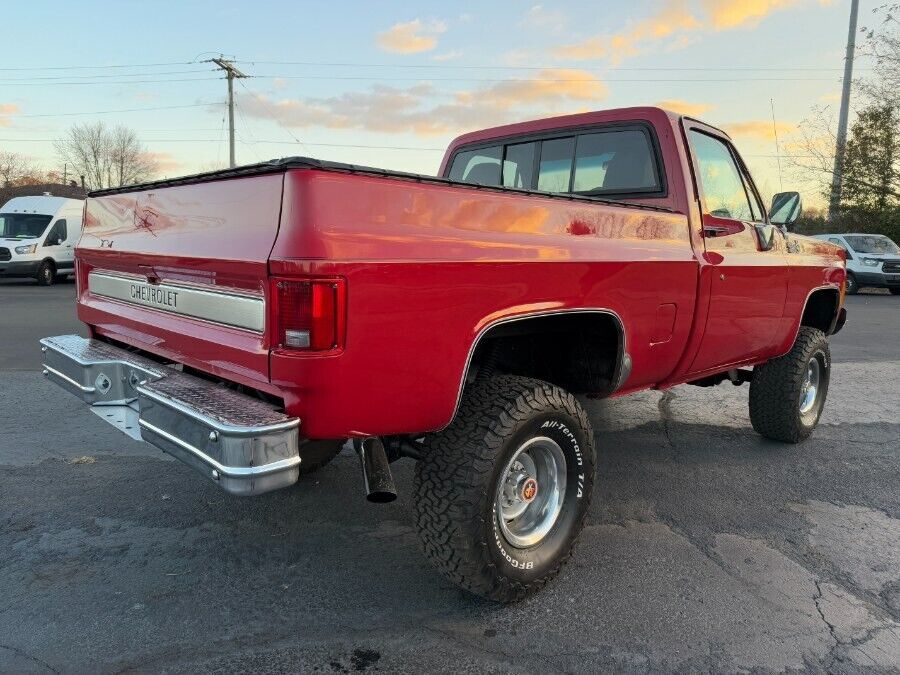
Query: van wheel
[
  {"x": 787, "y": 394},
  {"x": 502, "y": 493},
  {"x": 46, "y": 274},
  {"x": 852, "y": 287},
  {"x": 316, "y": 454}
]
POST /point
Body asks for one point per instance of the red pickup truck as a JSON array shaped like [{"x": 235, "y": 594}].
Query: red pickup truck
[{"x": 250, "y": 321}]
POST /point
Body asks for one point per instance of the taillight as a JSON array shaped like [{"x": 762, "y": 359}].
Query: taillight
[{"x": 309, "y": 314}]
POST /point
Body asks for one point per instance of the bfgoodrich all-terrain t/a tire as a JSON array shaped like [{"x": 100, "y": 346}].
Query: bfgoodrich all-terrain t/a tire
[
  {"x": 787, "y": 394},
  {"x": 502, "y": 493}
]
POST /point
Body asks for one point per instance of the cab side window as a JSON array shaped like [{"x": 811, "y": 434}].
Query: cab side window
[
  {"x": 721, "y": 181},
  {"x": 555, "y": 172},
  {"x": 57, "y": 235},
  {"x": 835, "y": 240},
  {"x": 480, "y": 166}
]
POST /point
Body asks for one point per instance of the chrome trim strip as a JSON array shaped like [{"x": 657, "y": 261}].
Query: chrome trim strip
[
  {"x": 54, "y": 371},
  {"x": 618, "y": 381},
  {"x": 227, "y": 307},
  {"x": 222, "y": 427},
  {"x": 229, "y": 471}
]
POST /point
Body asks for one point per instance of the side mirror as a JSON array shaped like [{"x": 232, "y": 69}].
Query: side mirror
[{"x": 786, "y": 208}]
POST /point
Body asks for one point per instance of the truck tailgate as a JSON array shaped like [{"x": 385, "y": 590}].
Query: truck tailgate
[{"x": 181, "y": 271}]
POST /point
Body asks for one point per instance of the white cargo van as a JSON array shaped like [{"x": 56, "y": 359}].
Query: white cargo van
[{"x": 38, "y": 237}]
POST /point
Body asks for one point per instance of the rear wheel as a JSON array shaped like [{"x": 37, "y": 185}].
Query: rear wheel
[
  {"x": 852, "y": 285},
  {"x": 502, "y": 493},
  {"x": 787, "y": 394},
  {"x": 46, "y": 274}
]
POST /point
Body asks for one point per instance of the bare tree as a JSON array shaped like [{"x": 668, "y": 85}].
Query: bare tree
[
  {"x": 882, "y": 44},
  {"x": 106, "y": 157},
  {"x": 14, "y": 168}
]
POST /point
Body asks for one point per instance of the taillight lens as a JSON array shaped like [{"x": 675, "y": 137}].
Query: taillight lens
[{"x": 309, "y": 314}]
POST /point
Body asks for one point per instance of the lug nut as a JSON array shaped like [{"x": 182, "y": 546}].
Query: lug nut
[{"x": 213, "y": 436}]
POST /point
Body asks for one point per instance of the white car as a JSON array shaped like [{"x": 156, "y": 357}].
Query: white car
[
  {"x": 873, "y": 261},
  {"x": 38, "y": 237}
]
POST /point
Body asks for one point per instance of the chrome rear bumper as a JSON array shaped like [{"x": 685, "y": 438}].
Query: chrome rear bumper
[{"x": 246, "y": 446}]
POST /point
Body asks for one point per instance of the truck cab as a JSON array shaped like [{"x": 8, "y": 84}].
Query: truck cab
[{"x": 38, "y": 236}]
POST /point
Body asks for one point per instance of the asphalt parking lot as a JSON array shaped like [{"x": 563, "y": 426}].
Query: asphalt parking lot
[{"x": 707, "y": 548}]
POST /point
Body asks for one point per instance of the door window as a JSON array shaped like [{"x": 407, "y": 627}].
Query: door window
[
  {"x": 57, "y": 235},
  {"x": 723, "y": 188}
]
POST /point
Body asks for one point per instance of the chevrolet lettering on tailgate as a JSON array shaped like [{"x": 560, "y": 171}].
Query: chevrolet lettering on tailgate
[{"x": 153, "y": 295}]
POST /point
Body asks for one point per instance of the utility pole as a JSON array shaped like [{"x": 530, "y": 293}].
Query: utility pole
[
  {"x": 834, "y": 203},
  {"x": 230, "y": 73}
]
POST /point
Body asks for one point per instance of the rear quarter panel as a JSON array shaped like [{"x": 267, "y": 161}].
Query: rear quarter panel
[{"x": 429, "y": 266}]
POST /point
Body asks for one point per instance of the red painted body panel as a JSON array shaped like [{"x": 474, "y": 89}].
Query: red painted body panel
[{"x": 428, "y": 266}]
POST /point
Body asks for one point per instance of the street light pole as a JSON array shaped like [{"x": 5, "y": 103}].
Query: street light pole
[
  {"x": 230, "y": 73},
  {"x": 834, "y": 203}
]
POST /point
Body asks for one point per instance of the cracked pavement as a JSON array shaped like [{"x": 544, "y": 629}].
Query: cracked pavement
[{"x": 707, "y": 548}]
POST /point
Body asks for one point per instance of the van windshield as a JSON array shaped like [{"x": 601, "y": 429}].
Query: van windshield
[
  {"x": 875, "y": 243},
  {"x": 23, "y": 225}
]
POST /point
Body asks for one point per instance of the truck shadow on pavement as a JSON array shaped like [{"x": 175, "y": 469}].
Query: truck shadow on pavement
[{"x": 706, "y": 548}]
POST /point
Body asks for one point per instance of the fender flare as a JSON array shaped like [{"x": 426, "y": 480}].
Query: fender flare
[{"x": 623, "y": 358}]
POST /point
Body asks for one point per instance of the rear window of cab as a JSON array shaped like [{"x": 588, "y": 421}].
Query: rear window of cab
[{"x": 595, "y": 162}]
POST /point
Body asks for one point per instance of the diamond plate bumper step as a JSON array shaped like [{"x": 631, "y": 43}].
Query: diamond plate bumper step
[{"x": 246, "y": 446}]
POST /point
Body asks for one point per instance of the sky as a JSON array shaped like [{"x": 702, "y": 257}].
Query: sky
[{"x": 391, "y": 83}]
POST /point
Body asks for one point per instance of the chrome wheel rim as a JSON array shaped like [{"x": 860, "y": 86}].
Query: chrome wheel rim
[
  {"x": 531, "y": 491},
  {"x": 809, "y": 390}
]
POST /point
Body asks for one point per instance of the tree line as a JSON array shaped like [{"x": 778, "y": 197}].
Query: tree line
[
  {"x": 870, "y": 199},
  {"x": 99, "y": 155}
]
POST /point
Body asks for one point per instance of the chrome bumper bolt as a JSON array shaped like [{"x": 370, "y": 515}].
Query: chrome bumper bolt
[{"x": 213, "y": 436}]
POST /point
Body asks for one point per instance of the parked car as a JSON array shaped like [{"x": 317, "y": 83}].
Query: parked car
[
  {"x": 873, "y": 261},
  {"x": 38, "y": 236},
  {"x": 248, "y": 321}
]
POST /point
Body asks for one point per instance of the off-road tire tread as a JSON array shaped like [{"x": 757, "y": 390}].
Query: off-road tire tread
[
  {"x": 452, "y": 481},
  {"x": 775, "y": 389}
]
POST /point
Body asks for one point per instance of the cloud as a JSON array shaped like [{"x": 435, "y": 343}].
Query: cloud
[
  {"x": 685, "y": 107},
  {"x": 671, "y": 20},
  {"x": 279, "y": 83},
  {"x": 728, "y": 14},
  {"x": 164, "y": 162},
  {"x": 419, "y": 109},
  {"x": 7, "y": 110},
  {"x": 552, "y": 20},
  {"x": 674, "y": 26},
  {"x": 758, "y": 129},
  {"x": 411, "y": 37}
]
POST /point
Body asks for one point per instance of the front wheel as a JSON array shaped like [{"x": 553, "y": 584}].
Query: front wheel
[
  {"x": 852, "y": 286},
  {"x": 46, "y": 274},
  {"x": 787, "y": 394},
  {"x": 502, "y": 493}
]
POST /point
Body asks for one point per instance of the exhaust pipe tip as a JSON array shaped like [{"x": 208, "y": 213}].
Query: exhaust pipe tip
[{"x": 379, "y": 483}]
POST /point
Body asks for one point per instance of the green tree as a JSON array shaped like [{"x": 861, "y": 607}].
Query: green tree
[{"x": 872, "y": 163}]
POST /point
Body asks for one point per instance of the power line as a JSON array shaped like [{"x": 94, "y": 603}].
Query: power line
[
  {"x": 218, "y": 140},
  {"x": 120, "y": 110},
  {"x": 444, "y": 66},
  {"x": 55, "y": 84},
  {"x": 130, "y": 65},
  {"x": 542, "y": 79},
  {"x": 96, "y": 75}
]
